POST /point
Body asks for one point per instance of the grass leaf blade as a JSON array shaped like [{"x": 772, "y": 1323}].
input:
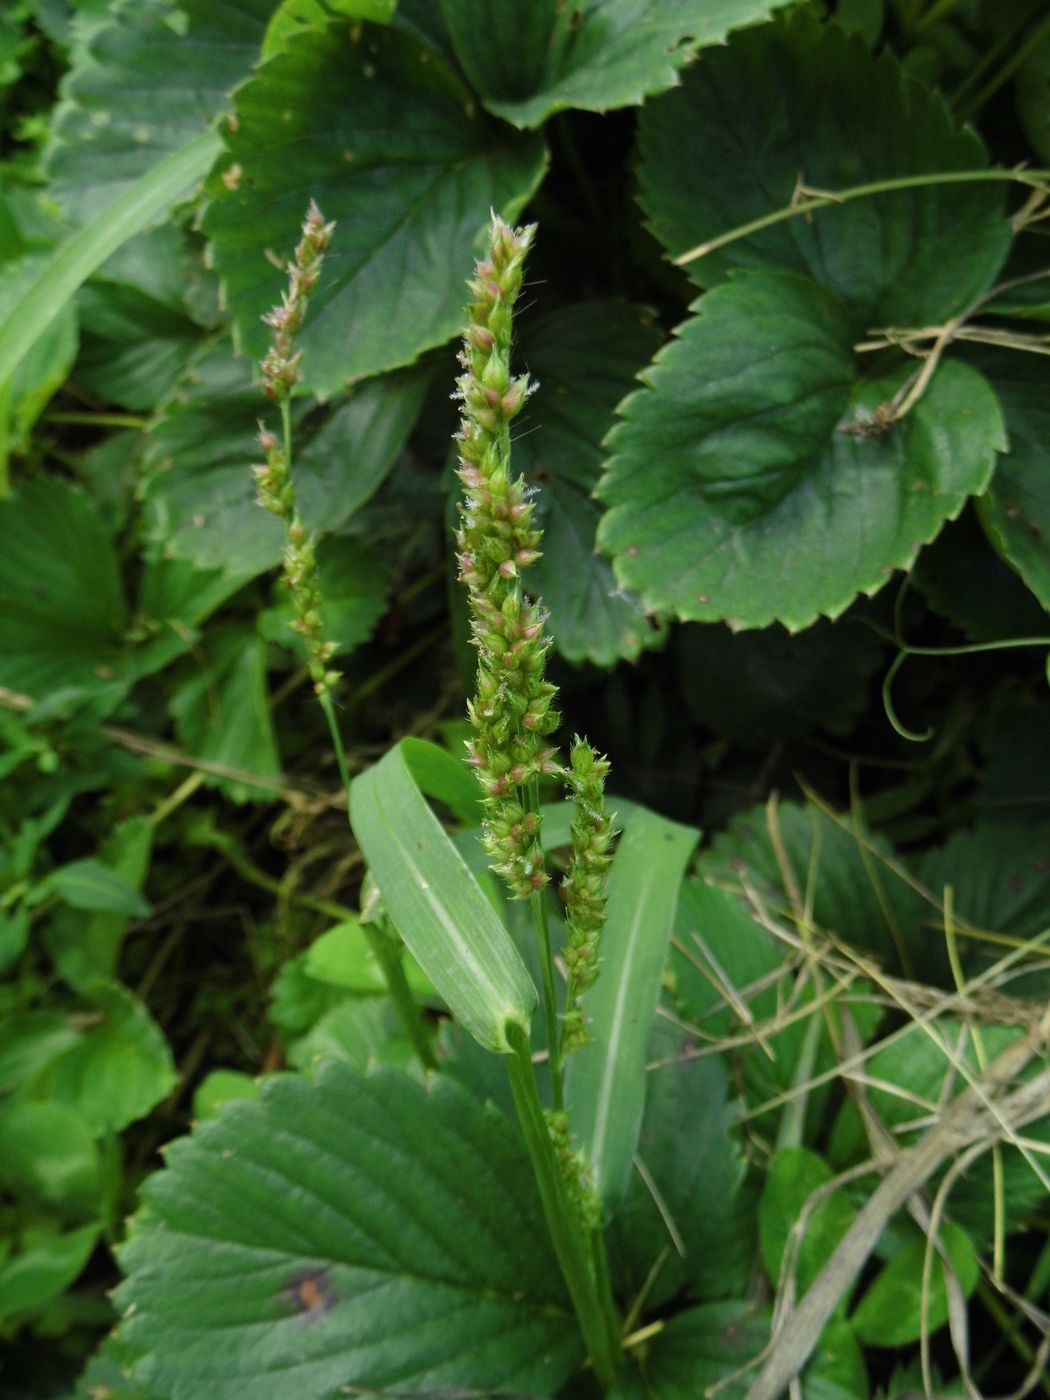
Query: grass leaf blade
[
  {"x": 437, "y": 906},
  {"x": 605, "y": 1090}
]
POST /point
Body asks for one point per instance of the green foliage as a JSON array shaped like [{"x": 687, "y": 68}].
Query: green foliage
[
  {"x": 397, "y": 190},
  {"x": 403, "y": 1246},
  {"x": 784, "y": 313},
  {"x": 751, "y": 416}
]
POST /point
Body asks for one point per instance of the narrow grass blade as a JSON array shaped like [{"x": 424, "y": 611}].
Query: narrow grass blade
[
  {"x": 605, "y": 1090},
  {"x": 83, "y": 253},
  {"x": 437, "y": 906}
]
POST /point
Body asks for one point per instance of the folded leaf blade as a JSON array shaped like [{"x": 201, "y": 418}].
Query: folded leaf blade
[
  {"x": 437, "y": 906},
  {"x": 606, "y": 1082}
]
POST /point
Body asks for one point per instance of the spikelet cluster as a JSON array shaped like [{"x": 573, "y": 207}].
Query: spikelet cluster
[
  {"x": 512, "y": 710},
  {"x": 273, "y": 477},
  {"x": 583, "y": 888}
]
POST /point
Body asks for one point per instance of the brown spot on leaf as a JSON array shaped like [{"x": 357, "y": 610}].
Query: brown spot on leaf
[{"x": 311, "y": 1292}]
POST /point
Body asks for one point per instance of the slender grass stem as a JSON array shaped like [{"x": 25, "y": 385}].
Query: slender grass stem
[
  {"x": 1037, "y": 179},
  {"x": 591, "y": 1300},
  {"x": 550, "y": 998}
]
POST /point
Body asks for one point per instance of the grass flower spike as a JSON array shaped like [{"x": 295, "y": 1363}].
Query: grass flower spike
[
  {"x": 511, "y": 711},
  {"x": 280, "y": 369},
  {"x": 583, "y": 889}
]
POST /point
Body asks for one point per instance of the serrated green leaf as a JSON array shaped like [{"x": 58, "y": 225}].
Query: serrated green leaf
[
  {"x": 605, "y": 1083},
  {"x": 106, "y": 1376},
  {"x": 392, "y": 147},
  {"x": 437, "y": 906},
  {"x": 823, "y": 111},
  {"x": 221, "y": 710},
  {"x": 352, "y": 1230},
  {"x": 531, "y": 58},
  {"x": 890, "y": 1312},
  {"x": 62, "y": 612},
  {"x": 736, "y": 492},
  {"x": 1016, "y": 509},
  {"x": 585, "y": 358},
  {"x": 88, "y": 884},
  {"x": 150, "y": 80},
  {"x": 292, "y": 16}
]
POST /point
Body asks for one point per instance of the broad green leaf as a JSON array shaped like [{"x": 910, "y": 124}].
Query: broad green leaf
[
  {"x": 106, "y": 1376},
  {"x": 822, "y": 111},
  {"x": 29, "y": 1041},
  {"x": 341, "y": 469},
  {"x": 134, "y": 343},
  {"x": 200, "y": 499},
  {"x": 605, "y": 1084},
  {"x": 437, "y": 906},
  {"x": 354, "y": 579},
  {"x": 351, "y": 1230},
  {"x": 890, "y": 1312},
  {"x": 701, "y": 1235},
  {"x": 88, "y": 884},
  {"x": 585, "y": 358},
  {"x": 753, "y": 686},
  {"x": 531, "y": 58},
  {"x": 745, "y": 486},
  {"x": 850, "y": 889},
  {"x": 698, "y": 1348},
  {"x": 999, "y": 877},
  {"x": 1016, "y": 509},
  {"x": 175, "y": 597},
  {"x": 149, "y": 81},
  {"x": 43, "y": 1265},
  {"x": 358, "y": 1033},
  {"x": 220, "y": 1087},
  {"x": 727, "y": 977},
  {"x": 14, "y": 935},
  {"x": 83, "y": 947},
  {"x": 221, "y": 711},
  {"x": 298, "y": 1001},
  {"x": 119, "y": 1067},
  {"x": 292, "y": 16},
  {"x": 62, "y": 612},
  {"x": 79, "y": 256},
  {"x": 341, "y": 957},
  {"x": 965, "y": 578},
  {"x": 795, "y": 1174},
  {"x": 391, "y": 145},
  {"x": 48, "y": 1157},
  {"x": 717, "y": 1347}
]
